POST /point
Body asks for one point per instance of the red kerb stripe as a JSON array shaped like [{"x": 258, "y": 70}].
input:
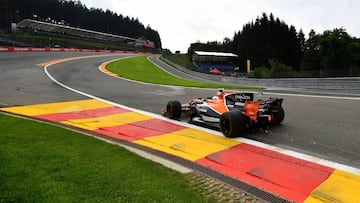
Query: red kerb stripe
[{"x": 92, "y": 113}]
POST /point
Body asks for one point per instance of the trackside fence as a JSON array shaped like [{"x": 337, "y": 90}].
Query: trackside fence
[{"x": 341, "y": 83}]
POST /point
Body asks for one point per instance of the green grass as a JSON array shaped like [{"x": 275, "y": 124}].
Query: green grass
[
  {"x": 140, "y": 69},
  {"x": 45, "y": 163},
  {"x": 180, "y": 59}
]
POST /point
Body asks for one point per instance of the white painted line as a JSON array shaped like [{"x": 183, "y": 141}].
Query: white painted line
[
  {"x": 312, "y": 96},
  {"x": 164, "y": 162},
  {"x": 305, "y": 157},
  {"x": 177, "y": 70},
  {"x": 148, "y": 58},
  {"x": 145, "y": 83},
  {"x": 309, "y": 158}
]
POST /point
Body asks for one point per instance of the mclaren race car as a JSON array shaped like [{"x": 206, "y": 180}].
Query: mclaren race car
[{"x": 233, "y": 112}]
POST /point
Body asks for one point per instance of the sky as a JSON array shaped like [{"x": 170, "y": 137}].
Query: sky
[{"x": 182, "y": 22}]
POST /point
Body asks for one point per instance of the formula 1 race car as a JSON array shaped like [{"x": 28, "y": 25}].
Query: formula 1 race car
[{"x": 233, "y": 112}]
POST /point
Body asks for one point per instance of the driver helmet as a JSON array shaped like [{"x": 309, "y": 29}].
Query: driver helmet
[{"x": 220, "y": 92}]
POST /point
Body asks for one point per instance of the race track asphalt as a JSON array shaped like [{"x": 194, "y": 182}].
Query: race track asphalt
[{"x": 323, "y": 127}]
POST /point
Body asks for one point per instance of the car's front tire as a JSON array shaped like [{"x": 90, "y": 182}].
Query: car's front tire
[{"x": 173, "y": 109}]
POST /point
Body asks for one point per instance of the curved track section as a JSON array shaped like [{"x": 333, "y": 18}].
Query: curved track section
[
  {"x": 324, "y": 127},
  {"x": 306, "y": 128},
  {"x": 23, "y": 82},
  {"x": 318, "y": 126}
]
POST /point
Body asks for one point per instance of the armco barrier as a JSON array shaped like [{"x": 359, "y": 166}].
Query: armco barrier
[
  {"x": 351, "y": 83},
  {"x": 47, "y": 49}
]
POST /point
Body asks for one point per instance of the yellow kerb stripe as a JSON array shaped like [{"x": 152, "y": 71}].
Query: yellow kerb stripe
[
  {"x": 188, "y": 143},
  {"x": 339, "y": 187},
  {"x": 61, "y": 107},
  {"x": 107, "y": 121}
]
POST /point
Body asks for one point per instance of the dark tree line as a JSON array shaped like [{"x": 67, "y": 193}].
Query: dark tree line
[
  {"x": 332, "y": 53},
  {"x": 269, "y": 39},
  {"x": 270, "y": 44},
  {"x": 74, "y": 13}
]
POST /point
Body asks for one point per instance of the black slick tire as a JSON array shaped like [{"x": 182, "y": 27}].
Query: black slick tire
[
  {"x": 173, "y": 109},
  {"x": 232, "y": 123},
  {"x": 279, "y": 116}
]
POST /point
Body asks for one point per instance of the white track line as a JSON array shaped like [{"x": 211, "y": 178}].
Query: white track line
[
  {"x": 256, "y": 92},
  {"x": 312, "y": 96},
  {"x": 309, "y": 158}
]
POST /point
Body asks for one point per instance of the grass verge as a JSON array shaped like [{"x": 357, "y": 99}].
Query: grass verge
[
  {"x": 140, "y": 69},
  {"x": 45, "y": 163},
  {"x": 180, "y": 59}
]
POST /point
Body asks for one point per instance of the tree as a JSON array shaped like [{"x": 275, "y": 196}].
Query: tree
[
  {"x": 269, "y": 39},
  {"x": 75, "y": 14},
  {"x": 335, "y": 52},
  {"x": 311, "y": 58}
]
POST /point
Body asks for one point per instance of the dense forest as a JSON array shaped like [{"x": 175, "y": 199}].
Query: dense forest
[
  {"x": 278, "y": 50},
  {"x": 74, "y": 13}
]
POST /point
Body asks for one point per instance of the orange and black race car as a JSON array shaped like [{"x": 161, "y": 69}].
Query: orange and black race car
[{"x": 233, "y": 112}]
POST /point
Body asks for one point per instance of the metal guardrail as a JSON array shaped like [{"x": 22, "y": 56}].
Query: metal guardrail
[{"x": 314, "y": 83}]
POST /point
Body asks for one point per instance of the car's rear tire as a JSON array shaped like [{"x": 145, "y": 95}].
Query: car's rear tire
[
  {"x": 233, "y": 123},
  {"x": 173, "y": 109},
  {"x": 279, "y": 116}
]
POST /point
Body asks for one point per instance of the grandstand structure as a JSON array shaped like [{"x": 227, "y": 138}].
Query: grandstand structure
[
  {"x": 214, "y": 62},
  {"x": 58, "y": 29}
]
